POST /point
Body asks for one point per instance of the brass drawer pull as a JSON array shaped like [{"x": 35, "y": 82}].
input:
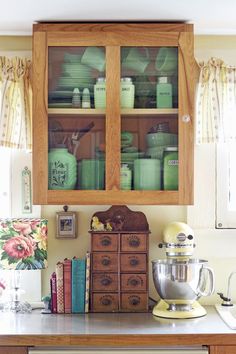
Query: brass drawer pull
[
  {"x": 106, "y": 242},
  {"x": 106, "y": 262},
  {"x": 133, "y": 282},
  {"x": 135, "y": 301},
  {"x": 134, "y": 243},
  {"x": 106, "y": 302},
  {"x": 106, "y": 281},
  {"x": 134, "y": 262}
]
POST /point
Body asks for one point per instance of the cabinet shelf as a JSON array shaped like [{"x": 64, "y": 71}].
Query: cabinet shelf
[
  {"x": 135, "y": 111},
  {"x": 76, "y": 111}
]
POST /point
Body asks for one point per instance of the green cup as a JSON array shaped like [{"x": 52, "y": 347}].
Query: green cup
[
  {"x": 92, "y": 173},
  {"x": 94, "y": 57},
  {"x": 147, "y": 174},
  {"x": 137, "y": 59},
  {"x": 166, "y": 60}
]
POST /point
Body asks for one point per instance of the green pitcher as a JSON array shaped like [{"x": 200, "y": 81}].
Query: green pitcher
[{"x": 62, "y": 169}]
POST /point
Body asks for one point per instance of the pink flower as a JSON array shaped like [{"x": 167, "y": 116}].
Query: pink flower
[
  {"x": 22, "y": 227},
  {"x": 19, "y": 247},
  {"x": 35, "y": 224}
]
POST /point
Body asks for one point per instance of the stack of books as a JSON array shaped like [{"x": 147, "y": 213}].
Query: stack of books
[{"x": 70, "y": 286}]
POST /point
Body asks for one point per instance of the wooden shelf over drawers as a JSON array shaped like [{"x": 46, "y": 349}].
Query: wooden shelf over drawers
[{"x": 119, "y": 262}]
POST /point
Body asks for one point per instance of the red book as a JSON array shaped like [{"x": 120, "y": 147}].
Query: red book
[
  {"x": 67, "y": 285},
  {"x": 60, "y": 287},
  {"x": 53, "y": 282}
]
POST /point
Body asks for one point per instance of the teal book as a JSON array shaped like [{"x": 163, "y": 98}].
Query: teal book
[{"x": 78, "y": 285}]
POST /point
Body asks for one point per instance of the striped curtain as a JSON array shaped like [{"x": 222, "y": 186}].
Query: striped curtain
[
  {"x": 15, "y": 103},
  {"x": 216, "y": 103}
]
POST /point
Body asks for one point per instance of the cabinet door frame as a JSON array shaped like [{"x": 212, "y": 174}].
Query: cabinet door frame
[{"x": 113, "y": 37}]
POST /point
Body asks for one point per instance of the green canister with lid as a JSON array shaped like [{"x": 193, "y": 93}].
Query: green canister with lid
[
  {"x": 164, "y": 93},
  {"x": 100, "y": 93},
  {"x": 125, "y": 177},
  {"x": 126, "y": 92},
  {"x": 170, "y": 168}
]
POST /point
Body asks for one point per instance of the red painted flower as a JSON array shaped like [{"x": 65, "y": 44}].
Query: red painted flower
[{"x": 19, "y": 247}]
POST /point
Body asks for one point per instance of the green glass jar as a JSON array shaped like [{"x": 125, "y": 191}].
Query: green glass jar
[
  {"x": 100, "y": 93},
  {"x": 164, "y": 93},
  {"x": 62, "y": 169},
  {"x": 125, "y": 177},
  {"x": 170, "y": 168},
  {"x": 127, "y": 90}
]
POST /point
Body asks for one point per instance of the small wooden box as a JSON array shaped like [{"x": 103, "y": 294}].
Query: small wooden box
[{"x": 119, "y": 262}]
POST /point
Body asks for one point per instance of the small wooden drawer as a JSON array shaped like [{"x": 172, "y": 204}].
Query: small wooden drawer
[
  {"x": 105, "y": 282},
  {"x": 104, "y": 242},
  {"x": 134, "y": 302},
  {"x": 133, "y": 243},
  {"x": 107, "y": 262},
  {"x": 105, "y": 302},
  {"x": 133, "y": 262},
  {"x": 133, "y": 282}
]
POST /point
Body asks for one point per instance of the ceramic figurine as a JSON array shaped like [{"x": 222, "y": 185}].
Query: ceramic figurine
[
  {"x": 97, "y": 225},
  {"x": 108, "y": 226},
  {"x": 47, "y": 302}
]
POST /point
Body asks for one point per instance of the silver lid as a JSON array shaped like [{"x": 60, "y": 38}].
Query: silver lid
[
  {"x": 124, "y": 165},
  {"x": 126, "y": 79},
  {"x": 163, "y": 80},
  {"x": 101, "y": 79},
  {"x": 171, "y": 148}
]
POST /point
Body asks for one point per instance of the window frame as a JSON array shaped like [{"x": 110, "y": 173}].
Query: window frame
[
  {"x": 225, "y": 219},
  {"x": 18, "y": 159}
]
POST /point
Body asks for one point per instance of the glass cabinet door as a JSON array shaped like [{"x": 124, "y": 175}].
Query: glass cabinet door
[
  {"x": 76, "y": 118},
  {"x": 149, "y": 118}
]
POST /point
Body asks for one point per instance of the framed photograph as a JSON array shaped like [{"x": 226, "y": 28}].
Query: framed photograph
[{"x": 66, "y": 224}]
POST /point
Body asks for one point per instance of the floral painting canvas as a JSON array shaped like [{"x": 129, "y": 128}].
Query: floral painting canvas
[{"x": 23, "y": 243}]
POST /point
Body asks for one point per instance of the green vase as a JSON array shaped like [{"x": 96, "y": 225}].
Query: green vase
[{"x": 62, "y": 169}]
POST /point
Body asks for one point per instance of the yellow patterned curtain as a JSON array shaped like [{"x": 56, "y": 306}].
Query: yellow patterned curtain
[
  {"x": 15, "y": 103},
  {"x": 216, "y": 103}
]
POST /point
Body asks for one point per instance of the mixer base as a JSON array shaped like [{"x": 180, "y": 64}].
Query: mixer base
[{"x": 161, "y": 310}]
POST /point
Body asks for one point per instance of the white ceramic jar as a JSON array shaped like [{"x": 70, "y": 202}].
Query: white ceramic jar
[
  {"x": 127, "y": 90},
  {"x": 100, "y": 93}
]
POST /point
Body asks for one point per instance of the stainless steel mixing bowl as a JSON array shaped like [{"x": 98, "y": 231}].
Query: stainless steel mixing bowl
[{"x": 181, "y": 282}]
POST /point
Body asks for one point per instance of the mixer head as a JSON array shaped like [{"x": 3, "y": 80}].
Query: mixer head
[{"x": 178, "y": 239}]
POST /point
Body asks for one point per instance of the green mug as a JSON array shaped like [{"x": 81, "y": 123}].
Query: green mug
[
  {"x": 137, "y": 59},
  {"x": 94, "y": 57},
  {"x": 91, "y": 174},
  {"x": 166, "y": 60}
]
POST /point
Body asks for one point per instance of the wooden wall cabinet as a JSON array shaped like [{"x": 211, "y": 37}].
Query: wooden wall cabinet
[
  {"x": 61, "y": 62},
  {"x": 13, "y": 350}
]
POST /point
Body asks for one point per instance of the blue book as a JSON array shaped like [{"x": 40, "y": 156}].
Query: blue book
[{"x": 78, "y": 285}]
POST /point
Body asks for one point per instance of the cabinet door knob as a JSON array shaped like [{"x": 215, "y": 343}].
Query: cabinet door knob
[
  {"x": 106, "y": 262},
  {"x": 106, "y": 281},
  {"x": 106, "y": 241},
  {"x": 106, "y": 302},
  {"x": 134, "y": 242},
  {"x": 134, "y": 262},
  {"x": 135, "y": 301},
  {"x": 133, "y": 282},
  {"x": 186, "y": 118}
]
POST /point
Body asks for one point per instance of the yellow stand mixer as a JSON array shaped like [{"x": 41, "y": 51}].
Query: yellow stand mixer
[{"x": 180, "y": 280}]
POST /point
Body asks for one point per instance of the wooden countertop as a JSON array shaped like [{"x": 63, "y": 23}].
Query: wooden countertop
[{"x": 113, "y": 330}]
